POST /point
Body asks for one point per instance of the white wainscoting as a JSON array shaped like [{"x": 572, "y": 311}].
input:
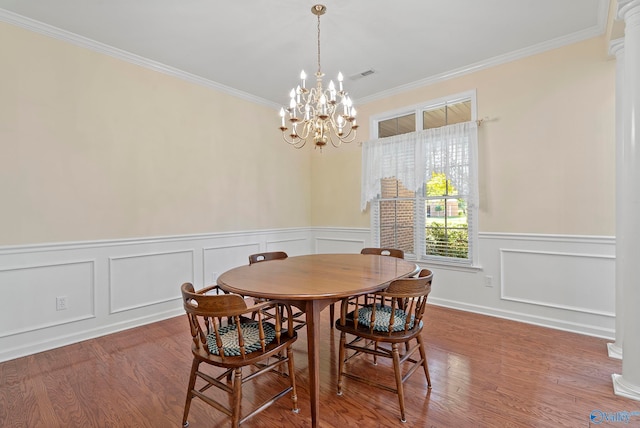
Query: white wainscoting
[
  {"x": 21, "y": 283},
  {"x": 574, "y": 283},
  {"x": 563, "y": 282},
  {"x": 114, "y": 285},
  {"x": 160, "y": 271}
]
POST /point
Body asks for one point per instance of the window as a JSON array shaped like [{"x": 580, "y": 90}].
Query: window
[{"x": 419, "y": 177}]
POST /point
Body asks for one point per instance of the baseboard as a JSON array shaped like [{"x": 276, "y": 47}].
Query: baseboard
[
  {"x": 80, "y": 336},
  {"x": 557, "y": 324}
]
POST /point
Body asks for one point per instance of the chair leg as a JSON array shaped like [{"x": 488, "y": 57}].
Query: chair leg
[
  {"x": 192, "y": 383},
  {"x": 423, "y": 355},
  {"x": 292, "y": 376},
  {"x": 396, "y": 369},
  {"x": 332, "y": 310},
  {"x": 341, "y": 357},
  {"x": 237, "y": 397}
]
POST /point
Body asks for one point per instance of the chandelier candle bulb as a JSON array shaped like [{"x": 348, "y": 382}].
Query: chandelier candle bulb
[{"x": 332, "y": 91}]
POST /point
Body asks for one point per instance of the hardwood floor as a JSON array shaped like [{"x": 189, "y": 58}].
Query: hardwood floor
[{"x": 486, "y": 372}]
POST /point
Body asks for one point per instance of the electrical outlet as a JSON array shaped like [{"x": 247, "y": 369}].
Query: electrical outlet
[
  {"x": 488, "y": 281},
  {"x": 61, "y": 303}
]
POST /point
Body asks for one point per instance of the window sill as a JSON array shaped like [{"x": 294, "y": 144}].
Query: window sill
[{"x": 447, "y": 265}]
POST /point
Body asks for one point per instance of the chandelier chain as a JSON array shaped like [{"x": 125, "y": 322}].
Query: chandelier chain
[{"x": 319, "y": 44}]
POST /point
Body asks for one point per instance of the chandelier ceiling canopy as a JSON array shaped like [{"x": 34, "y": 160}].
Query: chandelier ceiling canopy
[{"x": 318, "y": 114}]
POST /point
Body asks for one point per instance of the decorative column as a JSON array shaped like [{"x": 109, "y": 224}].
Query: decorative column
[
  {"x": 617, "y": 48},
  {"x": 628, "y": 383}
]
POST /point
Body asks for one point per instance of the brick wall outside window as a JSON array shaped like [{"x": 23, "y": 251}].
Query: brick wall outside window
[{"x": 397, "y": 216}]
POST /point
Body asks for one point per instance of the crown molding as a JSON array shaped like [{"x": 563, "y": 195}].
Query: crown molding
[
  {"x": 625, "y": 6},
  {"x": 84, "y": 42},
  {"x": 81, "y": 41},
  {"x": 576, "y": 37},
  {"x": 616, "y": 47}
]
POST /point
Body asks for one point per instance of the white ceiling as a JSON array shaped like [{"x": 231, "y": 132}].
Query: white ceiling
[{"x": 258, "y": 47}]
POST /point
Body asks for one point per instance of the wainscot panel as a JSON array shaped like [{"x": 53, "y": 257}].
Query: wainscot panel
[
  {"x": 340, "y": 240},
  {"x": 558, "y": 280},
  {"x": 52, "y": 294},
  {"x": 147, "y": 279},
  {"x": 562, "y": 282}
]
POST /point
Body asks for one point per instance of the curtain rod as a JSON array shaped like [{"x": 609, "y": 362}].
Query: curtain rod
[{"x": 479, "y": 121}]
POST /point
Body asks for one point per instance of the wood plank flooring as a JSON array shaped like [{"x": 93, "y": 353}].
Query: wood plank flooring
[{"x": 486, "y": 372}]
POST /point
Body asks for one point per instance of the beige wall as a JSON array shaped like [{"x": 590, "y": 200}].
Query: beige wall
[
  {"x": 97, "y": 148},
  {"x": 93, "y": 147},
  {"x": 547, "y": 156}
]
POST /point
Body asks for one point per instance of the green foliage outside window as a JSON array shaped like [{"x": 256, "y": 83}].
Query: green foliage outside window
[
  {"x": 439, "y": 185},
  {"x": 452, "y": 241},
  {"x": 447, "y": 242}
]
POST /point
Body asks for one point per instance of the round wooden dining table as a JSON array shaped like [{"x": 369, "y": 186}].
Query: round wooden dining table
[{"x": 311, "y": 283}]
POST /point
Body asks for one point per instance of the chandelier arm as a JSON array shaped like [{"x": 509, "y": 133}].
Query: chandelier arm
[
  {"x": 295, "y": 136},
  {"x": 306, "y": 130},
  {"x": 333, "y": 143},
  {"x": 347, "y": 128},
  {"x": 352, "y": 133},
  {"x": 347, "y": 137},
  {"x": 298, "y": 143}
]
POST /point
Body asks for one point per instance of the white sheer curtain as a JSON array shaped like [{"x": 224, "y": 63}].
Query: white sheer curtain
[{"x": 412, "y": 158}]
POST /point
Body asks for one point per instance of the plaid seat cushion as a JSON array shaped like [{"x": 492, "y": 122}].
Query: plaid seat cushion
[
  {"x": 250, "y": 333},
  {"x": 383, "y": 315}
]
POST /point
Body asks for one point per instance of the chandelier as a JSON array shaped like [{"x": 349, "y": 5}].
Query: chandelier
[{"x": 323, "y": 115}]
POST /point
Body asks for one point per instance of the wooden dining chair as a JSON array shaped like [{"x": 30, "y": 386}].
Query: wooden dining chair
[
  {"x": 224, "y": 336},
  {"x": 265, "y": 257},
  {"x": 378, "y": 326},
  {"x": 298, "y": 315},
  {"x": 392, "y": 252}
]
